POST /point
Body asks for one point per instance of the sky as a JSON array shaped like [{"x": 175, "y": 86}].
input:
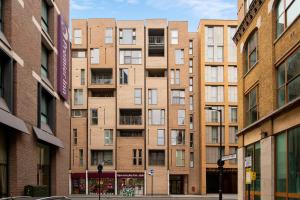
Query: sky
[{"x": 186, "y": 10}]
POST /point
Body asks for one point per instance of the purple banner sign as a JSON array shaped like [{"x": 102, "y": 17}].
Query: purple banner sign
[{"x": 63, "y": 58}]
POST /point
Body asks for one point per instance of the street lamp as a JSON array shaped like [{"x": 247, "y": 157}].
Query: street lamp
[
  {"x": 220, "y": 162},
  {"x": 100, "y": 168}
]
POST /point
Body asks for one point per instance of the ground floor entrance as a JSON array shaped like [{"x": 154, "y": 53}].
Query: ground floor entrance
[
  {"x": 229, "y": 181},
  {"x": 176, "y": 184}
]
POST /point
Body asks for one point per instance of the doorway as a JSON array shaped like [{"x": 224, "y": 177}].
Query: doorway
[{"x": 176, "y": 184}]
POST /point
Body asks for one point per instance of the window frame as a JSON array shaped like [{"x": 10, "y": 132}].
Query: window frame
[
  {"x": 247, "y": 105},
  {"x": 151, "y": 99},
  {"x": 45, "y": 69},
  {"x": 45, "y": 22},
  {"x": 248, "y": 52},
  {"x": 138, "y": 96},
  {"x": 108, "y": 37},
  {"x": 122, "y": 79},
  {"x": 94, "y": 117},
  {"x": 174, "y": 39},
  {"x": 108, "y": 137},
  {"x": 156, "y": 161}
]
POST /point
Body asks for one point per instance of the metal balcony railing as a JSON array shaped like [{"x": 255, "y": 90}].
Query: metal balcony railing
[
  {"x": 103, "y": 79},
  {"x": 156, "y": 40},
  {"x": 130, "y": 120}
]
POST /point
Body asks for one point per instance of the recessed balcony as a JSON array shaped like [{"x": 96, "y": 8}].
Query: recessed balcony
[
  {"x": 101, "y": 76},
  {"x": 130, "y": 117}
]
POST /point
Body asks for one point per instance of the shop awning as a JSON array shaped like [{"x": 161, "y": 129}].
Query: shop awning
[
  {"x": 47, "y": 137},
  {"x": 12, "y": 121}
]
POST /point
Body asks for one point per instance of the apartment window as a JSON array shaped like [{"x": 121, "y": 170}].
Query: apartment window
[
  {"x": 47, "y": 109},
  {"x": 214, "y": 74},
  {"x": 177, "y": 137},
  {"x": 180, "y": 117},
  {"x": 127, "y": 36},
  {"x": 231, "y": 45},
  {"x": 191, "y": 105},
  {"x": 160, "y": 136},
  {"x": 137, "y": 96},
  {"x": 94, "y": 116},
  {"x": 44, "y": 16},
  {"x": 123, "y": 76},
  {"x": 213, "y": 134},
  {"x": 156, "y": 157},
  {"x": 180, "y": 158},
  {"x": 156, "y": 117},
  {"x": 191, "y": 47},
  {"x": 80, "y": 157},
  {"x": 95, "y": 56},
  {"x": 288, "y": 79},
  {"x": 1, "y": 15},
  {"x": 178, "y": 96},
  {"x": 214, "y": 93},
  {"x": 175, "y": 76},
  {"x": 191, "y": 140},
  {"x": 251, "y": 52},
  {"x": 252, "y": 106},
  {"x": 233, "y": 130},
  {"x": 101, "y": 156},
  {"x": 191, "y": 159},
  {"x": 137, "y": 157},
  {"x": 233, "y": 150},
  {"x": 78, "y": 97},
  {"x": 77, "y": 36},
  {"x": 191, "y": 121},
  {"x": 179, "y": 56},
  {"x": 152, "y": 96},
  {"x": 75, "y": 136},
  {"x": 108, "y": 136},
  {"x": 78, "y": 54},
  {"x": 191, "y": 66},
  {"x": 286, "y": 12},
  {"x": 174, "y": 36},
  {"x": 108, "y": 35},
  {"x": 232, "y": 94},
  {"x": 214, "y": 44},
  {"x": 44, "y": 62},
  {"x": 82, "y": 76},
  {"x": 131, "y": 133},
  {"x": 130, "y": 57},
  {"x": 232, "y": 74},
  {"x": 232, "y": 114},
  {"x": 213, "y": 154},
  {"x": 213, "y": 115},
  {"x": 191, "y": 84},
  {"x": 79, "y": 113}
]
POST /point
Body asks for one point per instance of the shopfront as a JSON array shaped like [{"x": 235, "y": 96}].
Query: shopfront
[
  {"x": 107, "y": 183},
  {"x": 130, "y": 184},
  {"x": 78, "y": 183}
]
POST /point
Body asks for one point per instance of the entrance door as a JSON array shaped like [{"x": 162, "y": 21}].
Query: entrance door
[{"x": 176, "y": 184}]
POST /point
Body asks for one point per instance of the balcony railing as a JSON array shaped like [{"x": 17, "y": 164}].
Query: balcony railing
[
  {"x": 156, "y": 40},
  {"x": 101, "y": 79},
  {"x": 130, "y": 120}
]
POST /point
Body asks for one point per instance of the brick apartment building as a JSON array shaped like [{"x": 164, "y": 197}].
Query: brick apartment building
[
  {"x": 34, "y": 105},
  {"x": 268, "y": 51}
]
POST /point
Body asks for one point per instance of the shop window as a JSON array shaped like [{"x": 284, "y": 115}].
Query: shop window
[{"x": 78, "y": 183}]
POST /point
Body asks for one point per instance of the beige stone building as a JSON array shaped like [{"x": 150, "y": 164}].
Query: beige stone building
[
  {"x": 269, "y": 97},
  {"x": 218, "y": 91},
  {"x": 134, "y": 107}
]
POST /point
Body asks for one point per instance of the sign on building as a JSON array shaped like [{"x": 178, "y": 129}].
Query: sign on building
[
  {"x": 229, "y": 157},
  {"x": 248, "y": 161}
]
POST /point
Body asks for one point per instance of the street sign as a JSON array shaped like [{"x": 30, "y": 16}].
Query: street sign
[
  {"x": 248, "y": 161},
  {"x": 151, "y": 172},
  {"x": 253, "y": 176},
  {"x": 248, "y": 176},
  {"x": 229, "y": 157}
]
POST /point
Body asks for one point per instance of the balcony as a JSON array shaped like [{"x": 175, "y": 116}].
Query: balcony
[
  {"x": 101, "y": 76},
  {"x": 130, "y": 117},
  {"x": 156, "y": 43}
]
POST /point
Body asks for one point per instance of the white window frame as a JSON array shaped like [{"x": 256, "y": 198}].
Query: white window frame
[
  {"x": 160, "y": 137},
  {"x": 174, "y": 36}
]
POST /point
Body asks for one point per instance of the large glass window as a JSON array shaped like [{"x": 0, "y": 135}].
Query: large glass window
[
  {"x": 252, "y": 106},
  {"x": 175, "y": 76},
  {"x": 214, "y": 93},
  {"x": 231, "y": 45},
  {"x": 177, "y": 96},
  {"x": 214, "y": 73},
  {"x": 288, "y": 79},
  {"x": 127, "y": 36},
  {"x": 213, "y": 115},
  {"x": 233, "y": 138},
  {"x": 214, "y": 41},
  {"x": 43, "y": 166},
  {"x": 213, "y": 134},
  {"x": 3, "y": 165},
  {"x": 156, "y": 117},
  {"x": 213, "y": 154},
  {"x": 232, "y": 94},
  {"x": 130, "y": 57},
  {"x": 47, "y": 107},
  {"x": 94, "y": 116},
  {"x": 251, "y": 52}
]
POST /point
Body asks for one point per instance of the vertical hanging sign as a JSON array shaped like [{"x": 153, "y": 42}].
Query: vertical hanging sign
[{"x": 63, "y": 58}]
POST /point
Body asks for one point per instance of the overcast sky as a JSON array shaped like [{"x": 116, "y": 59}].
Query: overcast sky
[{"x": 190, "y": 10}]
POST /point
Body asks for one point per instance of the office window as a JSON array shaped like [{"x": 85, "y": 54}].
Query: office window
[
  {"x": 180, "y": 158},
  {"x": 214, "y": 93},
  {"x": 44, "y": 16},
  {"x": 75, "y": 136},
  {"x": 137, "y": 96},
  {"x": 213, "y": 154},
  {"x": 214, "y": 44},
  {"x": 213, "y": 134},
  {"x": 191, "y": 140},
  {"x": 179, "y": 56},
  {"x": 82, "y": 76},
  {"x": 95, "y": 56},
  {"x": 160, "y": 136},
  {"x": 191, "y": 66},
  {"x": 233, "y": 130},
  {"x": 80, "y": 157},
  {"x": 127, "y": 36},
  {"x": 174, "y": 36},
  {"x": 130, "y": 57},
  {"x": 177, "y": 96},
  {"x": 250, "y": 52},
  {"x": 101, "y": 156},
  {"x": 191, "y": 121},
  {"x": 191, "y": 105},
  {"x": 137, "y": 157},
  {"x": 214, "y": 73},
  {"x": 232, "y": 114},
  {"x": 175, "y": 76},
  {"x": 152, "y": 96},
  {"x": 123, "y": 76},
  {"x": 180, "y": 117},
  {"x": 78, "y": 97},
  {"x": 191, "y": 84},
  {"x": 191, "y": 159},
  {"x": 252, "y": 106},
  {"x": 94, "y": 116},
  {"x": 44, "y": 62},
  {"x": 108, "y": 35},
  {"x": 191, "y": 47},
  {"x": 177, "y": 137},
  {"x": 286, "y": 12},
  {"x": 288, "y": 79},
  {"x": 108, "y": 136},
  {"x": 156, "y": 117},
  {"x": 232, "y": 57},
  {"x": 232, "y": 94},
  {"x": 156, "y": 157},
  {"x": 214, "y": 116},
  {"x": 77, "y": 36},
  {"x": 232, "y": 74}
]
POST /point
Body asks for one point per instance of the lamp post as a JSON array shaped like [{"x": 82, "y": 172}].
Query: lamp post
[
  {"x": 220, "y": 162},
  {"x": 100, "y": 168}
]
